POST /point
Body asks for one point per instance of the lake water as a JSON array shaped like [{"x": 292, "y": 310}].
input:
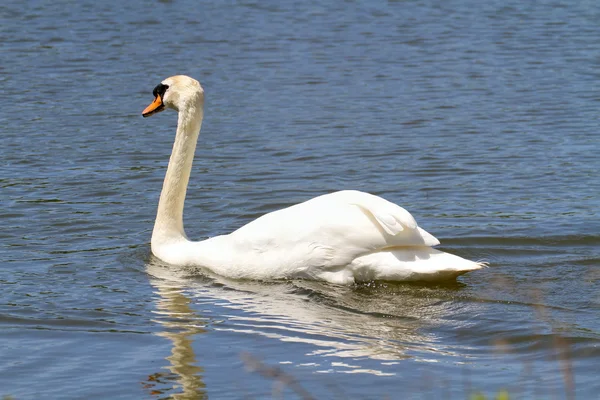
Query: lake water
[{"x": 481, "y": 118}]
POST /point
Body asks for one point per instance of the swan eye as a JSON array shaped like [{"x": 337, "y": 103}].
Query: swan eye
[{"x": 160, "y": 90}]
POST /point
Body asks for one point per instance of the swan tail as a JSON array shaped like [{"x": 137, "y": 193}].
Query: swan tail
[{"x": 411, "y": 264}]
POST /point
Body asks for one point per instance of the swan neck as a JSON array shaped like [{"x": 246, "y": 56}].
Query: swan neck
[{"x": 169, "y": 218}]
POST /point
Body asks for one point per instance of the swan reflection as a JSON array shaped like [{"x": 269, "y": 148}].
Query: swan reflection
[
  {"x": 181, "y": 324},
  {"x": 374, "y": 328}
]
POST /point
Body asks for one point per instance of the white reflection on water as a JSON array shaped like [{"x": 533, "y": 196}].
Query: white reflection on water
[
  {"x": 334, "y": 321},
  {"x": 181, "y": 324}
]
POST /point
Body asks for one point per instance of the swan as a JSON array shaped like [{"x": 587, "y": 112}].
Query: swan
[{"x": 342, "y": 237}]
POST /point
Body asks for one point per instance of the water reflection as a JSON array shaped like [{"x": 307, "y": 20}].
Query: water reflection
[
  {"x": 181, "y": 325},
  {"x": 376, "y": 327}
]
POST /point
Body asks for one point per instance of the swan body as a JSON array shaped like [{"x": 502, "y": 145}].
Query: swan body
[{"x": 342, "y": 237}]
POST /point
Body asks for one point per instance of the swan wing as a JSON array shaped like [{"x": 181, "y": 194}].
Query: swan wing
[
  {"x": 393, "y": 219},
  {"x": 398, "y": 225},
  {"x": 329, "y": 230}
]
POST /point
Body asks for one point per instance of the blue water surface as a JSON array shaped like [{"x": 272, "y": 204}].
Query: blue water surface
[{"x": 480, "y": 118}]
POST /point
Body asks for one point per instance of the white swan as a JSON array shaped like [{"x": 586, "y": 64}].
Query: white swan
[{"x": 342, "y": 237}]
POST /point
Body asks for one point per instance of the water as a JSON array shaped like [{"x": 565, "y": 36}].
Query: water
[{"x": 480, "y": 119}]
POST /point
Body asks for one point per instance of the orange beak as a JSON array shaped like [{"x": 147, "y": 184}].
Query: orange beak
[{"x": 156, "y": 107}]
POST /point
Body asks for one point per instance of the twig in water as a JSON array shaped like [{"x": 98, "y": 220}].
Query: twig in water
[{"x": 280, "y": 377}]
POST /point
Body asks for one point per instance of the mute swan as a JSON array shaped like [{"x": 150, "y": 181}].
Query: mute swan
[{"x": 342, "y": 237}]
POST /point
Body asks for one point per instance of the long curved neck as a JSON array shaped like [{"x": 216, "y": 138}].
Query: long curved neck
[{"x": 168, "y": 226}]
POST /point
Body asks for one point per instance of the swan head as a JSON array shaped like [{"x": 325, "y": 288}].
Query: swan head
[{"x": 177, "y": 92}]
